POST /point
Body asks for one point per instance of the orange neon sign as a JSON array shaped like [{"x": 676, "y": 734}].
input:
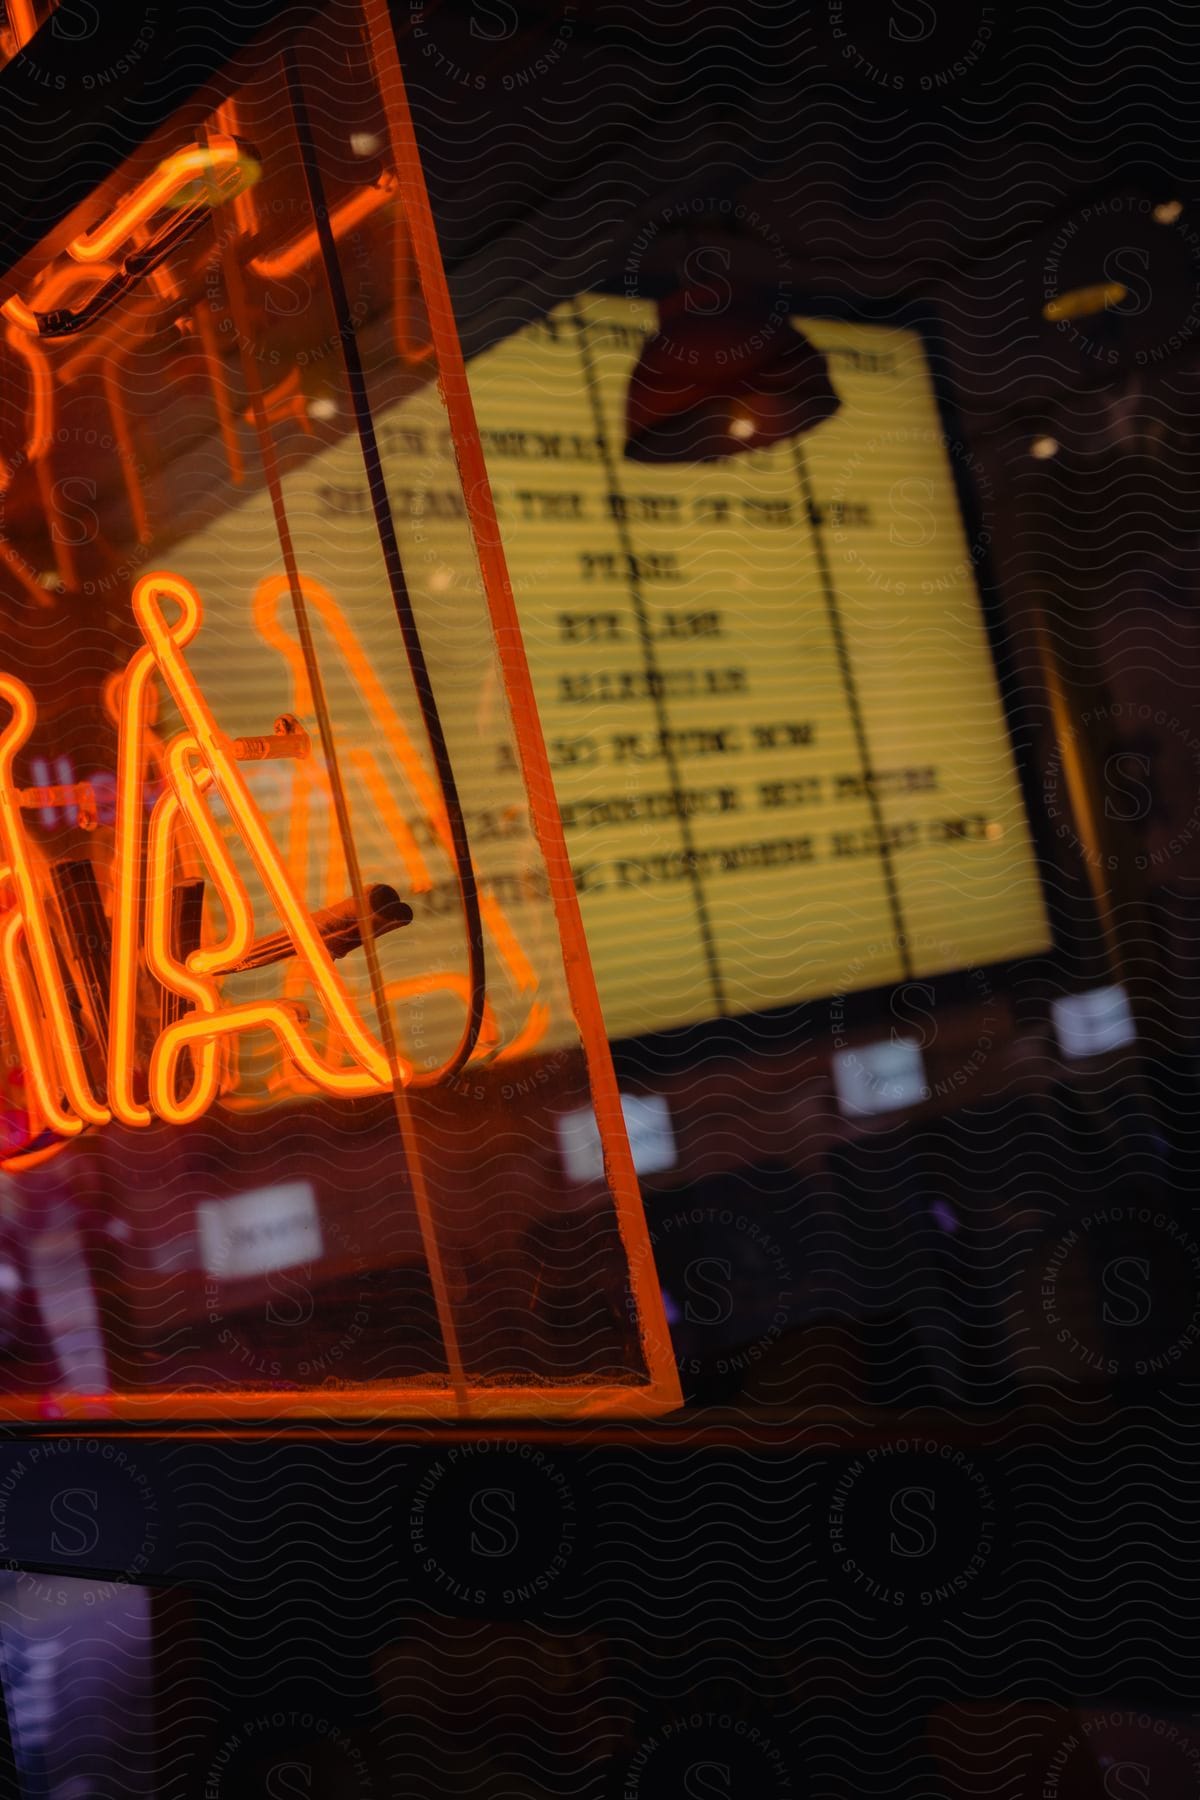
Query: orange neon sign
[{"x": 158, "y": 853}]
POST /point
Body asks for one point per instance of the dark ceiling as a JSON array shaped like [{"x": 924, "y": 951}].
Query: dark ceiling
[
  {"x": 981, "y": 157},
  {"x": 860, "y": 149}
]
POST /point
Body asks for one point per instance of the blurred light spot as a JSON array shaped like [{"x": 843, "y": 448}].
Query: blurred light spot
[
  {"x": 878, "y": 1078},
  {"x": 323, "y": 407},
  {"x": 1094, "y": 1021},
  {"x": 364, "y": 143},
  {"x": 1081, "y": 302},
  {"x": 1168, "y": 211},
  {"x": 1044, "y": 448}
]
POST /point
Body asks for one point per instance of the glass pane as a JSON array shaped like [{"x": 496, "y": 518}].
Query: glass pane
[{"x": 296, "y": 991}]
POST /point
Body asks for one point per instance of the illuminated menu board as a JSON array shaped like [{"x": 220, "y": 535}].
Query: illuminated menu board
[{"x": 772, "y": 713}]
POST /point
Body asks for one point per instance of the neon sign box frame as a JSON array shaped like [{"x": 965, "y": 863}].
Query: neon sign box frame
[{"x": 210, "y": 1008}]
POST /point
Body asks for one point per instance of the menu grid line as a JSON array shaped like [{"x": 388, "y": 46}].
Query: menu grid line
[
  {"x": 650, "y": 662},
  {"x": 854, "y": 707}
]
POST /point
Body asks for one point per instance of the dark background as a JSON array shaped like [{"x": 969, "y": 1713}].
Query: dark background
[{"x": 917, "y": 1544}]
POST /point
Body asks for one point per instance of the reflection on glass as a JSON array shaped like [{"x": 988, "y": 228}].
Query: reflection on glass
[{"x": 294, "y": 984}]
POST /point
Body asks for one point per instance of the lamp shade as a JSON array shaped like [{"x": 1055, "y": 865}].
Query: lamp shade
[{"x": 709, "y": 385}]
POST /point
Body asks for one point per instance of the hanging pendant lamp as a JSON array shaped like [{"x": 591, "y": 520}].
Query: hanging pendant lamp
[{"x": 709, "y": 385}]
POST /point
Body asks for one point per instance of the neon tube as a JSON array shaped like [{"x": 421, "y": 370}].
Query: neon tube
[
  {"x": 166, "y": 642},
  {"x": 172, "y": 175},
  {"x": 33, "y": 920},
  {"x": 127, "y": 883}
]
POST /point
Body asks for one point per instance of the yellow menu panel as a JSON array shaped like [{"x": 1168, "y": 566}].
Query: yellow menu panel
[
  {"x": 774, "y": 722},
  {"x": 765, "y": 685}
]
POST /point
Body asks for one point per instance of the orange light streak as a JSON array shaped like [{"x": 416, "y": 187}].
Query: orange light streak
[
  {"x": 160, "y": 280},
  {"x": 50, "y": 291},
  {"x": 519, "y": 965},
  {"x": 37, "y": 444},
  {"x": 216, "y": 161},
  {"x": 65, "y": 565},
  {"x": 235, "y": 901},
  {"x": 33, "y": 1159},
  {"x": 127, "y": 889},
  {"x": 22, "y": 22},
  {"x": 279, "y": 1017},
  {"x": 30, "y": 1033},
  {"x": 17, "y": 313},
  {"x": 31, "y": 914},
  {"x": 41, "y": 395},
  {"x": 403, "y": 295},
  {"x": 524, "y": 979},
  {"x": 174, "y": 976},
  {"x": 245, "y": 206},
  {"x": 164, "y": 283},
  {"x": 342, "y": 218},
  {"x": 455, "y": 983},
  {"x": 218, "y": 381},
  {"x": 285, "y": 400}
]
